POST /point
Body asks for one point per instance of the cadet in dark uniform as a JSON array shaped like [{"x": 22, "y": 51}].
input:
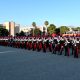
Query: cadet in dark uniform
[
  {"x": 76, "y": 50},
  {"x": 54, "y": 45},
  {"x": 61, "y": 42},
  {"x": 44, "y": 44},
  {"x": 67, "y": 49},
  {"x": 50, "y": 44}
]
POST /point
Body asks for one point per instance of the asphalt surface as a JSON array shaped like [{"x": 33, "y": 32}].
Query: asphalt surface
[{"x": 20, "y": 64}]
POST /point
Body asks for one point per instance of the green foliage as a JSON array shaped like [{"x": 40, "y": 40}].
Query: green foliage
[
  {"x": 51, "y": 28},
  {"x": 17, "y": 34},
  {"x": 46, "y": 23},
  {"x": 76, "y": 29},
  {"x": 3, "y": 32},
  {"x": 1, "y": 26},
  {"x": 20, "y": 34},
  {"x": 36, "y": 32},
  {"x": 63, "y": 29},
  {"x": 57, "y": 31},
  {"x": 34, "y": 24}
]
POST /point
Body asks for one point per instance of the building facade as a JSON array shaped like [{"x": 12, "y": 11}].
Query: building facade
[
  {"x": 26, "y": 30},
  {"x": 17, "y": 29},
  {"x": 12, "y": 28}
]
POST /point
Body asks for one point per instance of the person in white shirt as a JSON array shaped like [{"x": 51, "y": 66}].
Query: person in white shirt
[{"x": 76, "y": 48}]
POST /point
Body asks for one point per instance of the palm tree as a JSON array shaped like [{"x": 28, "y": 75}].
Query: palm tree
[
  {"x": 46, "y": 23},
  {"x": 34, "y": 26}
]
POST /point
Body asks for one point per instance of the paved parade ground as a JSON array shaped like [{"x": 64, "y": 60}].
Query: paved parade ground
[{"x": 21, "y": 64}]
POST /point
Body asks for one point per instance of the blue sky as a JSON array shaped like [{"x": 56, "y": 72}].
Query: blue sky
[{"x": 58, "y": 12}]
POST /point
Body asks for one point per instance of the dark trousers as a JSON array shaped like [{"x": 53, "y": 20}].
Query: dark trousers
[{"x": 76, "y": 52}]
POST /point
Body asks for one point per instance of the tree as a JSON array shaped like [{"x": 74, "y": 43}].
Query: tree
[
  {"x": 57, "y": 31},
  {"x": 21, "y": 33},
  {"x": 46, "y": 23},
  {"x": 44, "y": 30},
  {"x": 51, "y": 29},
  {"x": 37, "y": 31},
  {"x": 1, "y": 26},
  {"x": 17, "y": 34},
  {"x": 34, "y": 25},
  {"x": 31, "y": 32},
  {"x": 3, "y": 32},
  {"x": 76, "y": 29},
  {"x": 63, "y": 29}
]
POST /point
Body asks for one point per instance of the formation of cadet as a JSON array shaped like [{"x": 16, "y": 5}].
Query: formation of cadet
[{"x": 56, "y": 45}]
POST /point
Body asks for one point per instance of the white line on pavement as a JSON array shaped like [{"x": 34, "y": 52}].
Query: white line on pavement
[{"x": 6, "y": 51}]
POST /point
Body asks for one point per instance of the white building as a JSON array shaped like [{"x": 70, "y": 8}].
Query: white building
[
  {"x": 17, "y": 29},
  {"x": 6, "y": 24},
  {"x": 12, "y": 28},
  {"x": 27, "y": 29}
]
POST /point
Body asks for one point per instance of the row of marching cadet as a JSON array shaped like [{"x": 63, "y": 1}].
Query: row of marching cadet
[{"x": 56, "y": 45}]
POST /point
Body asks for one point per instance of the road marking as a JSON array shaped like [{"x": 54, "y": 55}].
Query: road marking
[{"x": 6, "y": 51}]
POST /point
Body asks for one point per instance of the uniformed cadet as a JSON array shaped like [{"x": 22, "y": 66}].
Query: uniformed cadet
[
  {"x": 67, "y": 49},
  {"x": 61, "y": 45},
  {"x": 26, "y": 42},
  {"x": 38, "y": 43},
  {"x": 34, "y": 44},
  {"x": 44, "y": 44},
  {"x": 55, "y": 45},
  {"x": 76, "y": 50},
  {"x": 39, "y": 46},
  {"x": 29, "y": 43},
  {"x": 50, "y": 44},
  {"x": 72, "y": 46}
]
